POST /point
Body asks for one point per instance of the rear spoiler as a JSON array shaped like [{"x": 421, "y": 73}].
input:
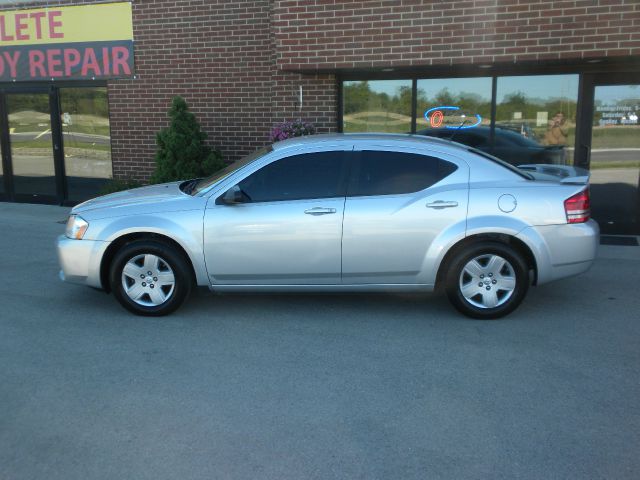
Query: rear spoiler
[{"x": 561, "y": 173}]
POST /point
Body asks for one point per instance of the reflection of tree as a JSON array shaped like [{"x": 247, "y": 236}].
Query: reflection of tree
[
  {"x": 513, "y": 102},
  {"x": 443, "y": 97},
  {"x": 358, "y": 97},
  {"x": 469, "y": 103},
  {"x": 529, "y": 107},
  {"x": 403, "y": 101},
  {"x": 26, "y": 102},
  {"x": 85, "y": 100}
]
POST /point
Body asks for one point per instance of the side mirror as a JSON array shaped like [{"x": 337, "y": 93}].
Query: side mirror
[{"x": 233, "y": 196}]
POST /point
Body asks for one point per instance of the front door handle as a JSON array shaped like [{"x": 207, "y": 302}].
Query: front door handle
[
  {"x": 438, "y": 204},
  {"x": 320, "y": 211}
]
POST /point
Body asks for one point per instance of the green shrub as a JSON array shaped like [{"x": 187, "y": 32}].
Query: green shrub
[
  {"x": 182, "y": 153},
  {"x": 117, "y": 185}
]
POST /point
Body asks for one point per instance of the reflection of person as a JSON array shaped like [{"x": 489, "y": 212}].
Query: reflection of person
[{"x": 557, "y": 131}]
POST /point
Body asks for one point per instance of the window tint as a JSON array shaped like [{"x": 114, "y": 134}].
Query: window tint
[
  {"x": 388, "y": 173},
  {"x": 310, "y": 175}
]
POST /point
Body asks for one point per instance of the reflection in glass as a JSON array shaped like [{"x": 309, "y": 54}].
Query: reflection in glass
[
  {"x": 470, "y": 96},
  {"x": 86, "y": 139},
  {"x": 541, "y": 108},
  {"x": 31, "y": 147},
  {"x": 377, "y": 106},
  {"x": 615, "y": 158},
  {"x": 1, "y": 172}
]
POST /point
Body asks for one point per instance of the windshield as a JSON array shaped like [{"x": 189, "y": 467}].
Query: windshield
[{"x": 205, "y": 183}]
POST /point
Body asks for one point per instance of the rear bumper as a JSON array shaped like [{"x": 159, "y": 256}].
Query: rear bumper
[
  {"x": 563, "y": 250},
  {"x": 80, "y": 260}
]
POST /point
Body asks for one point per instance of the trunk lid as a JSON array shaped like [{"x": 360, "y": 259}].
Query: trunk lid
[{"x": 557, "y": 173}]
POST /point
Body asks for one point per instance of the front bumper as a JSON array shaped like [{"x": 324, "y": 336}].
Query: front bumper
[{"x": 80, "y": 260}]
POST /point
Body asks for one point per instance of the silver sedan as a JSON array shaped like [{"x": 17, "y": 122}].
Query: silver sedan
[{"x": 336, "y": 213}]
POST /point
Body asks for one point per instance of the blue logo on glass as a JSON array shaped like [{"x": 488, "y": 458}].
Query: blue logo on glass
[{"x": 435, "y": 117}]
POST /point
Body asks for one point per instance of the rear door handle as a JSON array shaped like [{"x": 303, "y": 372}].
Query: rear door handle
[
  {"x": 439, "y": 204},
  {"x": 320, "y": 211}
]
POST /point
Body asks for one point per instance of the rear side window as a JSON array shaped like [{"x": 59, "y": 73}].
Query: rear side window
[
  {"x": 393, "y": 173},
  {"x": 305, "y": 176}
]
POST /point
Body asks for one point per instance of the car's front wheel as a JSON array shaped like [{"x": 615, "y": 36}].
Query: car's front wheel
[
  {"x": 150, "y": 278},
  {"x": 487, "y": 280}
]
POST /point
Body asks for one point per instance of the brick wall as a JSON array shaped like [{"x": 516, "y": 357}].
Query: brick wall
[
  {"x": 329, "y": 34},
  {"x": 219, "y": 56}
]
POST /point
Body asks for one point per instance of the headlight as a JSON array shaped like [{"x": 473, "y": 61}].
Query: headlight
[{"x": 76, "y": 226}]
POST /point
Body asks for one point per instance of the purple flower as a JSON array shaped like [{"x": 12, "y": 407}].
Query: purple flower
[{"x": 285, "y": 130}]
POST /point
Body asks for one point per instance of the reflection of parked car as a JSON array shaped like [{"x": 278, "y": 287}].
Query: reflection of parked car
[
  {"x": 510, "y": 146},
  {"x": 340, "y": 213},
  {"x": 521, "y": 129}
]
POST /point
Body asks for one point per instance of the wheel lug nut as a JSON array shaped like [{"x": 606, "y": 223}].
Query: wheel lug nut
[
  {"x": 142, "y": 275},
  {"x": 494, "y": 281},
  {"x": 482, "y": 275},
  {"x": 151, "y": 285},
  {"x": 491, "y": 274},
  {"x": 155, "y": 279},
  {"x": 488, "y": 287},
  {"x": 148, "y": 273},
  {"x": 480, "y": 284},
  {"x": 144, "y": 284}
]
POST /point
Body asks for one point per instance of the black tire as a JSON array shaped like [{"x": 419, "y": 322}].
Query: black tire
[
  {"x": 170, "y": 263},
  {"x": 495, "y": 289}
]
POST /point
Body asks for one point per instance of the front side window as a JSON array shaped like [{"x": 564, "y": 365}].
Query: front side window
[
  {"x": 305, "y": 176},
  {"x": 393, "y": 173}
]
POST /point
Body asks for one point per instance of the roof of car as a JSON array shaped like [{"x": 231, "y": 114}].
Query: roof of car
[{"x": 363, "y": 137}]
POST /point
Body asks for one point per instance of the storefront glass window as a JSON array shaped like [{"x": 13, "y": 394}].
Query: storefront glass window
[
  {"x": 87, "y": 140},
  {"x": 542, "y": 109},
  {"x": 31, "y": 145},
  {"x": 467, "y": 102},
  {"x": 377, "y": 106},
  {"x": 615, "y": 158}
]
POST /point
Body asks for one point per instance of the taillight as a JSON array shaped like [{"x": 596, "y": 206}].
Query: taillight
[{"x": 577, "y": 207}]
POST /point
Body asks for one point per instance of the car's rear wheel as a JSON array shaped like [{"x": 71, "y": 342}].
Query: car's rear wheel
[
  {"x": 150, "y": 278},
  {"x": 487, "y": 280}
]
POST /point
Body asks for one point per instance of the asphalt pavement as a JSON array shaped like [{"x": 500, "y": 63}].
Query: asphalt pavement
[{"x": 313, "y": 386}]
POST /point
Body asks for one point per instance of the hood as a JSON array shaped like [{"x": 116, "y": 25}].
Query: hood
[{"x": 151, "y": 195}]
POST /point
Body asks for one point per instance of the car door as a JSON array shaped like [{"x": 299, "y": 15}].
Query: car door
[
  {"x": 287, "y": 227},
  {"x": 397, "y": 205}
]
